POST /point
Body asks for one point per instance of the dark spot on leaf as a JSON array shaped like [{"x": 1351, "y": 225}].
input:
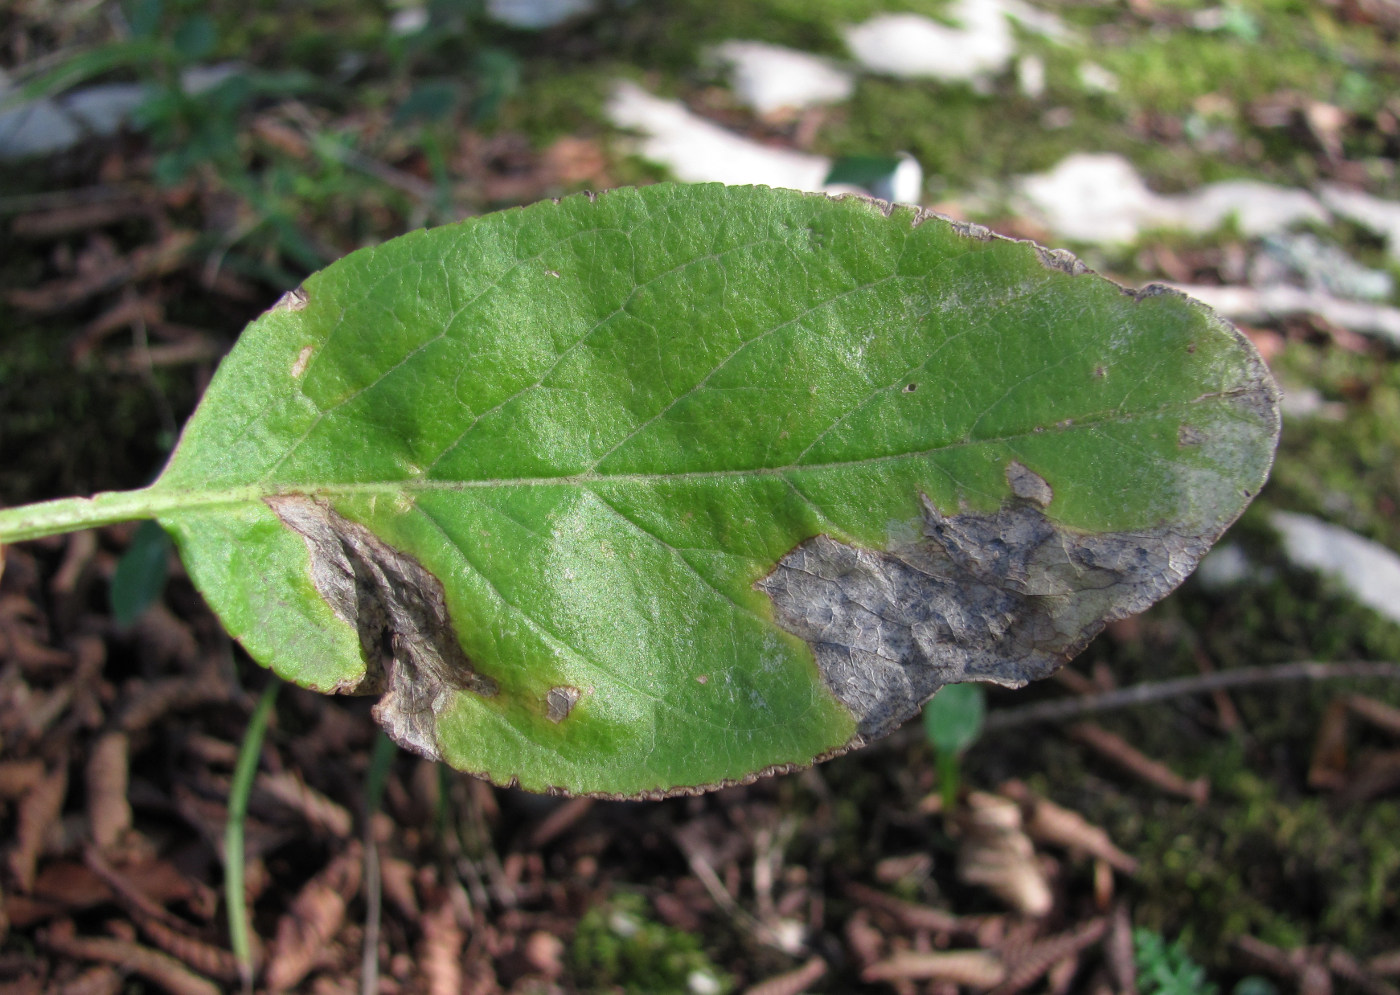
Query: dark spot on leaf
[
  {"x": 1006, "y": 597},
  {"x": 559, "y": 702},
  {"x": 1191, "y": 347},
  {"x": 399, "y": 609},
  {"x": 1100, "y": 371},
  {"x": 911, "y": 388}
]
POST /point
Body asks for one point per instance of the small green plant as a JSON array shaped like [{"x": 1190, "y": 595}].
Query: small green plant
[
  {"x": 141, "y": 573},
  {"x": 1167, "y": 968},
  {"x": 663, "y": 489},
  {"x": 619, "y": 948},
  {"x": 953, "y": 722}
]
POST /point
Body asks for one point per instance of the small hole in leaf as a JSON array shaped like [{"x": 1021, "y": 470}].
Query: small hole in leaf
[{"x": 911, "y": 388}]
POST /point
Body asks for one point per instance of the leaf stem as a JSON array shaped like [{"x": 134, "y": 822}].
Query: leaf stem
[
  {"x": 243, "y": 774},
  {"x": 34, "y": 521}
]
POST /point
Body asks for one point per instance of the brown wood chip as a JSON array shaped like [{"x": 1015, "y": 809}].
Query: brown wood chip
[
  {"x": 108, "y": 811},
  {"x": 974, "y": 968},
  {"x": 793, "y": 982},
  {"x": 315, "y": 916},
  {"x": 440, "y": 951},
  {"x": 152, "y": 965},
  {"x": 38, "y": 813}
]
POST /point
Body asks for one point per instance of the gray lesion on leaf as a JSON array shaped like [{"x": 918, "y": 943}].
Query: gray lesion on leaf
[
  {"x": 399, "y": 609},
  {"x": 293, "y": 300},
  {"x": 560, "y": 701},
  {"x": 1029, "y": 485},
  {"x": 1006, "y": 597}
]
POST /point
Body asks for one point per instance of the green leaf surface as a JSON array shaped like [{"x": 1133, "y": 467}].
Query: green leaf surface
[
  {"x": 666, "y": 488},
  {"x": 953, "y": 719}
]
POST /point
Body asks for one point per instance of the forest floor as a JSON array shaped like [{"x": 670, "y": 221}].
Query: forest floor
[{"x": 1243, "y": 841}]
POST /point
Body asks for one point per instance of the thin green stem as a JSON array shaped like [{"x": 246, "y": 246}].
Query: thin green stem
[
  {"x": 234, "y": 894},
  {"x": 949, "y": 778},
  {"x": 383, "y": 758},
  {"x": 34, "y": 521}
]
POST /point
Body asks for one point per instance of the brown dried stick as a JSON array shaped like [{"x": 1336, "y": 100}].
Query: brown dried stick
[
  {"x": 1154, "y": 691},
  {"x": 973, "y": 968},
  {"x": 792, "y": 982},
  {"x": 319, "y": 811},
  {"x": 1118, "y": 750}
]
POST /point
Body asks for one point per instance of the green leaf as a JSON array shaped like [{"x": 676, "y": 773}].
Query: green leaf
[
  {"x": 670, "y": 487},
  {"x": 141, "y": 573},
  {"x": 953, "y": 719}
]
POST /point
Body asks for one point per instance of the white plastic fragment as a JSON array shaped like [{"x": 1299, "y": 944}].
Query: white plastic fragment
[
  {"x": 1281, "y": 300},
  {"x": 907, "y": 183},
  {"x": 770, "y": 78},
  {"x": 1319, "y": 265},
  {"x": 699, "y": 151},
  {"x": 1372, "y": 213},
  {"x": 1099, "y": 197},
  {"x": 1096, "y": 79},
  {"x": 700, "y": 982},
  {"x": 1224, "y": 566},
  {"x": 980, "y": 44},
  {"x": 1258, "y": 208},
  {"x": 1090, "y": 197},
  {"x": 1030, "y": 76},
  {"x": 408, "y": 21},
  {"x": 1369, "y": 571}
]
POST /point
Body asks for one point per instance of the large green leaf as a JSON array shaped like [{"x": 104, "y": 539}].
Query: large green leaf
[{"x": 668, "y": 487}]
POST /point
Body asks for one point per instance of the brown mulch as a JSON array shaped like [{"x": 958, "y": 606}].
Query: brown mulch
[{"x": 118, "y": 750}]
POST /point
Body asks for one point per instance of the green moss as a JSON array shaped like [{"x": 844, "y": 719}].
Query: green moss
[
  {"x": 617, "y": 948},
  {"x": 1267, "y": 855},
  {"x": 1347, "y": 471},
  {"x": 673, "y": 35}
]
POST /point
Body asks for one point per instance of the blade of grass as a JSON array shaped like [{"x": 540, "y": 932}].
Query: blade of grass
[
  {"x": 383, "y": 758},
  {"x": 243, "y": 774}
]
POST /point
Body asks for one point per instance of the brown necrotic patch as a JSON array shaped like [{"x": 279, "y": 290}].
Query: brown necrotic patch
[
  {"x": 399, "y": 609},
  {"x": 1006, "y": 597}
]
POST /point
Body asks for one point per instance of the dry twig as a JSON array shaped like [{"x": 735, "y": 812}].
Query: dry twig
[
  {"x": 793, "y": 982},
  {"x": 1118, "y": 750},
  {"x": 1154, "y": 691}
]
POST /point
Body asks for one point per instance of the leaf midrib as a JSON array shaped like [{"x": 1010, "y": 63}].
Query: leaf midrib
[{"x": 202, "y": 497}]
